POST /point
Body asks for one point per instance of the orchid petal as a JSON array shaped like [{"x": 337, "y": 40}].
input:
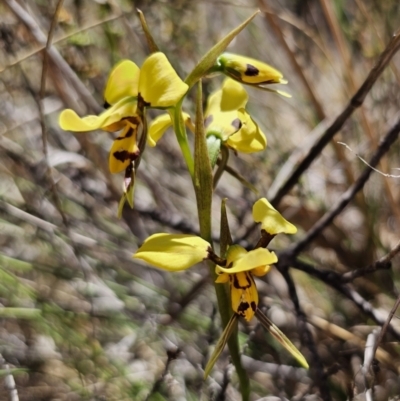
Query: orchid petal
[
  {"x": 173, "y": 252},
  {"x": 271, "y": 220},
  {"x": 122, "y": 82},
  {"x": 159, "y": 84}
]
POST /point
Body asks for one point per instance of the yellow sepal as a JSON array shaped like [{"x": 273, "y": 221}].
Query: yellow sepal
[
  {"x": 70, "y": 121},
  {"x": 271, "y": 220},
  {"x": 159, "y": 125},
  {"x": 122, "y": 82},
  {"x": 159, "y": 84},
  {"x": 173, "y": 252}
]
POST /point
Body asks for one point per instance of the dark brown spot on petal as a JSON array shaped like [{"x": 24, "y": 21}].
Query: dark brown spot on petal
[
  {"x": 208, "y": 121},
  {"x": 237, "y": 124},
  {"x": 242, "y": 308},
  {"x": 106, "y": 105},
  {"x": 123, "y": 155},
  {"x": 253, "y": 306},
  {"x": 251, "y": 71}
]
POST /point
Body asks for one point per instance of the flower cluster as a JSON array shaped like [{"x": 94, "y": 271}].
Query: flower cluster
[{"x": 226, "y": 125}]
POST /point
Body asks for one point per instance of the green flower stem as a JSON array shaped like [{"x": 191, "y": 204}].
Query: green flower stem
[
  {"x": 180, "y": 132},
  {"x": 203, "y": 186},
  {"x": 221, "y": 165}
]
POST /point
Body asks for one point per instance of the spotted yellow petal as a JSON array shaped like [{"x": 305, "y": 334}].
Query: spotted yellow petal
[
  {"x": 124, "y": 149},
  {"x": 173, "y": 252},
  {"x": 70, "y": 121},
  {"x": 222, "y": 278},
  {"x": 271, "y": 220},
  {"x": 239, "y": 260},
  {"x": 122, "y": 82},
  {"x": 248, "y": 70},
  {"x": 222, "y": 124},
  {"x": 159, "y": 84},
  {"x": 249, "y": 138},
  {"x": 244, "y": 294}
]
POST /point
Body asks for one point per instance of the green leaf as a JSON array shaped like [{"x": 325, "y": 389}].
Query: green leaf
[
  {"x": 203, "y": 181},
  {"x": 209, "y": 59},
  {"x": 229, "y": 329}
]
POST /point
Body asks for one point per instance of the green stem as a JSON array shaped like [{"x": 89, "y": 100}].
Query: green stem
[
  {"x": 221, "y": 166},
  {"x": 180, "y": 132},
  {"x": 203, "y": 185}
]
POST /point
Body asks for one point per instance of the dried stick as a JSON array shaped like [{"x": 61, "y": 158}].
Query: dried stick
[
  {"x": 54, "y": 55},
  {"x": 316, "y": 365},
  {"x": 355, "y": 102},
  {"x": 382, "y": 263},
  {"x": 345, "y": 199},
  {"x": 333, "y": 280}
]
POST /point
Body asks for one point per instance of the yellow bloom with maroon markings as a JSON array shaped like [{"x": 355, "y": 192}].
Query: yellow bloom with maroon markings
[
  {"x": 248, "y": 70},
  {"x": 175, "y": 252},
  {"x": 129, "y": 90},
  {"x": 227, "y": 119},
  {"x": 241, "y": 266}
]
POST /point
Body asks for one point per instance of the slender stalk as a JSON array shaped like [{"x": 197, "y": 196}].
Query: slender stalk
[
  {"x": 180, "y": 131},
  {"x": 203, "y": 185}
]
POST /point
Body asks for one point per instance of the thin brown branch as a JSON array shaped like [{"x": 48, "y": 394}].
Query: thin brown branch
[
  {"x": 382, "y": 263},
  {"x": 54, "y": 55},
  {"x": 346, "y": 198},
  {"x": 316, "y": 366},
  {"x": 355, "y": 102},
  {"x": 333, "y": 280}
]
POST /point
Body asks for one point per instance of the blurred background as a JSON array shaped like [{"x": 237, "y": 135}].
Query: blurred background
[{"x": 81, "y": 320}]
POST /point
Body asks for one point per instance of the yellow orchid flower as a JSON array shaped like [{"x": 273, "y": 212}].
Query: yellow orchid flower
[
  {"x": 128, "y": 90},
  {"x": 226, "y": 118},
  {"x": 175, "y": 252},
  {"x": 240, "y": 268}
]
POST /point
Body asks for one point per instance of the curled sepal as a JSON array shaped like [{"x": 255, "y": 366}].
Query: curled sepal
[
  {"x": 173, "y": 252},
  {"x": 239, "y": 260},
  {"x": 248, "y": 70},
  {"x": 122, "y": 82},
  {"x": 160, "y": 124},
  {"x": 110, "y": 119},
  {"x": 271, "y": 220},
  {"x": 129, "y": 189},
  {"x": 283, "y": 340},
  {"x": 150, "y": 41},
  {"x": 208, "y": 60},
  {"x": 219, "y": 347},
  {"x": 159, "y": 84}
]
